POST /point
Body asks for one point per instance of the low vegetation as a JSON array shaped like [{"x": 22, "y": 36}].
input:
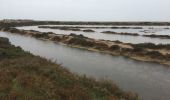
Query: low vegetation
[
  {"x": 88, "y": 30},
  {"x": 111, "y": 32},
  {"x": 115, "y": 47},
  {"x": 80, "y": 40},
  {"x": 68, "y": 28},
  {"x": 158, "y": 36},
  {"x": 127, "y": 27},
  {"x": 72, "y": 27},
  {"x": 27, "y": 77},
  {"x": 151, "y": 46}
]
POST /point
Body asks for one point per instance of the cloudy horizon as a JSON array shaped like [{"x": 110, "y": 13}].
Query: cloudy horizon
[{"x": 87, "y": 10}]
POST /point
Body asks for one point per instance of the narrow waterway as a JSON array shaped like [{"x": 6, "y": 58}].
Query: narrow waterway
[
  {"x": 157, "y": 30},
  {"x": 151, "y": 81}
]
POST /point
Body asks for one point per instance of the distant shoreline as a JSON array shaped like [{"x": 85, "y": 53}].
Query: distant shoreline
[{"x": 130, "y": 23}]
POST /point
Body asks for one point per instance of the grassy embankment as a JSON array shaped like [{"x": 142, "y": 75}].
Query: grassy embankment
[
  {"x": 24, "y": 76},
  {"x": 143, "y": 52}
]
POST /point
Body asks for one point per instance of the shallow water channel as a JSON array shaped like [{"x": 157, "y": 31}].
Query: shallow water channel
[
  {"x": 151, "y": 81},
  {"x": 157, "y": 30}
]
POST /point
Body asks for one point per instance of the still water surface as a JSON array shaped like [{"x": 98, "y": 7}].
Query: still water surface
[
  {"x": 159, "y": 30},
  {"x": 151, "y": 81}
]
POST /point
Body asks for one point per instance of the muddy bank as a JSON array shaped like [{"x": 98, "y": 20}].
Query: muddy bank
[{"x": 143, "y": 52}]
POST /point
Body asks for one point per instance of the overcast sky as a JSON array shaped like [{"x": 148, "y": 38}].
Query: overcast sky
[{"x": 86, "y": 10}]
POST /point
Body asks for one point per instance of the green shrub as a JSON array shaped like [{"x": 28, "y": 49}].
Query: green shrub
[
  {"x": 154, "y": 54},
  {"x": 41, "y": 35},
  {"x": 4, "y": 41},
  {"x": 114, "y": 47},
  {"x": 80, "y": 41},
  {"x": 88, "y": 30},
  {"x": 151, "y": 46}
]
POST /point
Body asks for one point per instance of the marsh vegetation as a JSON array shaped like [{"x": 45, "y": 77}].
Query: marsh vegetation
[{"x": 24, "y": 75}]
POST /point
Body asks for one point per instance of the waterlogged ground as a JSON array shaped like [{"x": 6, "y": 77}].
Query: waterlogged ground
[
  {"x": 146, "y": 30},
  {"x": 151, "y": 81}
]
